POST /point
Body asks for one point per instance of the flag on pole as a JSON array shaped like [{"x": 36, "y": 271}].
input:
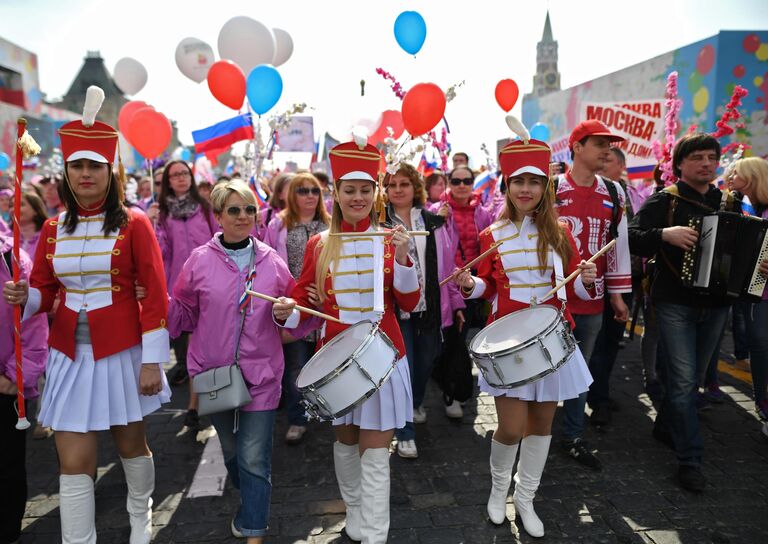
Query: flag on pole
[{"x": 223, "y": 134}]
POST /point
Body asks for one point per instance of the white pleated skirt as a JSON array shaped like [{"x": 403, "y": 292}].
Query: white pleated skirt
[
  {"x": 87, "y": 395},
  {"x": 389, "y": 408},
  {"x": 567, "y": 382}
]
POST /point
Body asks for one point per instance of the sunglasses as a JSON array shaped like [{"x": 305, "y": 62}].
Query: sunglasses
[
  {"x": 456, "y": 181},
  {"x": 234, "y": 211},
  {"x": 304, "y": 191}
]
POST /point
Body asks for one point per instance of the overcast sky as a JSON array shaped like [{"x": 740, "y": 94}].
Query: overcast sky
[{"x": 339, "y": 42}]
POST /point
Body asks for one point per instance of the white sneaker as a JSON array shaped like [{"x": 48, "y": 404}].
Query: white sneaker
[
  {"x": 420, "y": 415},
  {"x": 454, "y": 410},
  {"x": 234, "y": 531},
  {"x": 407, "y": 449}
]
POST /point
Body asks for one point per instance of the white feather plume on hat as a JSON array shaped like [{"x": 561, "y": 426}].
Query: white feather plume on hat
[
  {"x": 94, "y": 98},
  {"x": 517, "y": 126},
  {"x": 360, "y": 136}
]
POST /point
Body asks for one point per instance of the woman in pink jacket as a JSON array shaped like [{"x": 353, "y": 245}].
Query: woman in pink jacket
[
  {"x": 206, "y": 299},
  {"x": 34, "y": 341},
  {"x": 183, "y": 221},
  {"x": 466, "y": 217}
]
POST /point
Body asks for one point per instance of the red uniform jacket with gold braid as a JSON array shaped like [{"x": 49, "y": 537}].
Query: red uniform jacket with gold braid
[
  {"x": 96, "y": 273},
  {"x": 512, "y": 274},
  {"x": 349, "y": 289}
]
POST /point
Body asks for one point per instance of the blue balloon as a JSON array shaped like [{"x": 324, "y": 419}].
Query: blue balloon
[
  {"x": 186, "y": 154},
  {"x": 540, "y": 131},
  {"x": 410, "y": 31},
  {"x": 5, "y": 161},
  {"x": 263, "y": 88}
]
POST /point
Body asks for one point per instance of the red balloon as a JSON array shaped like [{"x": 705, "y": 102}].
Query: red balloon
[
  {"x": 423, "y": 107},
  {"x": 739, "y": 71},
  {"x": 389, "y": 118},
  {"x": 125, "y": 115},
  {"x": 751, "y": 43},
  {"x": 150, "y": 132},
  {"x": 506, "y": 94},
  {"x": 227, "y": 83},
  {"x": 705, "y": 60}
]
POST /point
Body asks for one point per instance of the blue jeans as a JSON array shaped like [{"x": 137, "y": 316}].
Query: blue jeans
[
  {"x": 587, "y": 328},
  {"x": 757, "y": 332},
  {"x": 422, "y": 348},
  {"x": 689, "y": 335},
  {"x": 296, "y": 356},
  {"x": 248, "y": 458},
  {"x": 604, "y": 354}
]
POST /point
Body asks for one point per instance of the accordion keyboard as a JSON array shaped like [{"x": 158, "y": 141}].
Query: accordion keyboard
[
  {"x": 688, "y": 267},
  {"x": 757, "y": 285}
]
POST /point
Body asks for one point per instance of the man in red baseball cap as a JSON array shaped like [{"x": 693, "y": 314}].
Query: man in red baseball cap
[{"x": 593, "y": 206}]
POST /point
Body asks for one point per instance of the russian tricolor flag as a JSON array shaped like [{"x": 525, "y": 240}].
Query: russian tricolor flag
[
  {"x": 223, "y": 134},
  {"x": 485, "y": 183},
  {"x": 426, "y": 167}
]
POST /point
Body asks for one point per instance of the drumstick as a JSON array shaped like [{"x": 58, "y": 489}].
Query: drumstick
[
  {"x": 309, "y": 311},
  {"x": 575, "y": 273},
  {"x": 471, "y": 263},
  {"x": 379, "y": 233}
]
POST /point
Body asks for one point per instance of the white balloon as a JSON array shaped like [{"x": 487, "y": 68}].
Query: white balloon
[
  {"x": 246, "y": 42},
  {"x": 130, "y": 75},
  {"x": 284, "y": 47},
  {"x": 194, "y": 58}
]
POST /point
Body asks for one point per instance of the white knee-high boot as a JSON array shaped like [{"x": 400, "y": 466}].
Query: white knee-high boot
[
  {"x": 502, "y": 461},
  {"x": 346, "y": 462},
  {"x": 533, "y": 458},
  {"x": 374, "y": 495},
  {"x": 140, "y": 478},
  {"x": 77, "y": 508}
]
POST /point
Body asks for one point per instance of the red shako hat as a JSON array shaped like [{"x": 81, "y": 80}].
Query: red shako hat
[
  {"x": 88, "y": 138},
  {"x": 351, "y": 160},
  {"x": 519, "y": 157}
]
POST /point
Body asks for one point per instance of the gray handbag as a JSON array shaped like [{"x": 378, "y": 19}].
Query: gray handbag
[{"x": 223, "y": 388}]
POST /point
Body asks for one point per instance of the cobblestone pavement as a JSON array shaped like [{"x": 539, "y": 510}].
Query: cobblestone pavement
[{"x": 440, "y": 497}]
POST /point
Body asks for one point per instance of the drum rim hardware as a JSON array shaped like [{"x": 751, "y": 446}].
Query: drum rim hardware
[
  {"x": 527, "y": 343},
  {"x": 565, "y": 336},
  {"x": 312, "y": 408}
]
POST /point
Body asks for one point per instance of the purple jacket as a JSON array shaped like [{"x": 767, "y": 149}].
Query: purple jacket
[
  {"x": 205, "y": 302},
  {"x": 276, "y": 237},
  {"x": 34, "y": 331},
  {"x": 450, "y": 298},
  {"x": 179, "y": 237}
]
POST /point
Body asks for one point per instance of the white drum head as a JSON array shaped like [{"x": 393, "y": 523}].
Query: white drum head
[
  {"x": 513, "y": 329},
  {"x": 334, "y": 353}
]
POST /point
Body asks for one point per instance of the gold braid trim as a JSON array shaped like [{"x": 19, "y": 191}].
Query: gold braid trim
[{"x": 352, "y": 154}]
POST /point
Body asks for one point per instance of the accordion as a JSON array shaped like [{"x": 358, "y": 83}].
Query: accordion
[{"x": 726, "y": 258}]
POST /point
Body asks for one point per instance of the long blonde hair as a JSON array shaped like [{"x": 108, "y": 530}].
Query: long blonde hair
[
  {"x": 551, "y": 230},
  {"x": 754, "y": 172},
  {"x": 330, "y": 246},
  {"x": 290, "y": 215}
]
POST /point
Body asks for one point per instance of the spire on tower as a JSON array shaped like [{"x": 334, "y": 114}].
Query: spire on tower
[{"x": 547, "y": 35}]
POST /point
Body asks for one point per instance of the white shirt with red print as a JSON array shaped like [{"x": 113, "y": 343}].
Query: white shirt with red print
[{"x": 589, "y": 212}]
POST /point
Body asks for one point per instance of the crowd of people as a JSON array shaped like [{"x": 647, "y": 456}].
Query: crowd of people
[{"x": 179, "y": 264}]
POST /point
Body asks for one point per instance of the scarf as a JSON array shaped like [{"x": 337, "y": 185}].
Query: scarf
[{"x": 182, "y": 207}]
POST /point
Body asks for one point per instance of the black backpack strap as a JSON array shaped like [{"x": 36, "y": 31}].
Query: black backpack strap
[{"x": 614, "y": 194}]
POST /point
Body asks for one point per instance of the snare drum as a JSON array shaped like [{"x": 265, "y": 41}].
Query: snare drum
[
  {"x": 347, "y": 371},
  {"x": 522, "y": 347}
]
